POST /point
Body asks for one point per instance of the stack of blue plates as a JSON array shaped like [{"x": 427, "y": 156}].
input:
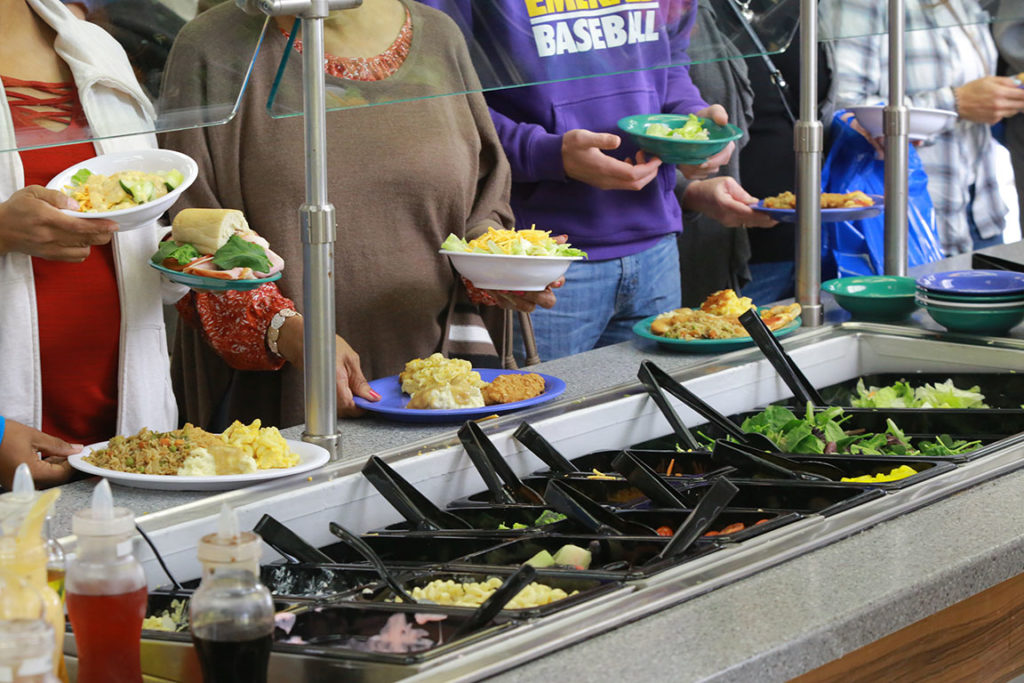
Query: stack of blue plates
[{"x": 979, "y": 301}]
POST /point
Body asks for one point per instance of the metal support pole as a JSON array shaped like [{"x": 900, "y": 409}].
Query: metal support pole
[
  {"x": 896, "y": 124},
  {"x": 318, "y": 225},
  {"x": 807, "y": 143}
]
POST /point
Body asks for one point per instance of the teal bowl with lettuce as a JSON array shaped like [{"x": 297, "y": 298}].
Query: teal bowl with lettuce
[{"x": 679, "y": 138}]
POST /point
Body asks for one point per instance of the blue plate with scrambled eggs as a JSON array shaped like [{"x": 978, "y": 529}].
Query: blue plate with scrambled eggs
[{"x": 392, "y": 401}]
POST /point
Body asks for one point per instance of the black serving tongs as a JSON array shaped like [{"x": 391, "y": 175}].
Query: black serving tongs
[
  {"x": 745, "y": 458},
  {"x": 508, "y": 589},
  {"x": 700, "y": 518},
  {"x": 643, "y": 476},
  {"x": 285, "y": 541},
  {"x": 780, "y": 360},
  {"x": 587, "y": 512},
  {"x": 414, "y": 506},
  {"x": 981, "y": 261},
  {"x": 491, "y": 465},
  {"x": 654, "y": 388},
  {"x": 542, "y": 448},
  {"x": 705, "y": 410},
  {"x": 364, "y": 549}
]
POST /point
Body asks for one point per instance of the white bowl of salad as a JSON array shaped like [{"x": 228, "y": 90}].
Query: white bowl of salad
[
  {"x": 133, "y": 189},
  {"x": 511, "y": 260}
]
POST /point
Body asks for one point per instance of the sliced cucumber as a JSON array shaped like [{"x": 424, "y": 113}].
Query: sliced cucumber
[
  {"x": 173, "y": 178},
  {"x": 141, "y": 190}
]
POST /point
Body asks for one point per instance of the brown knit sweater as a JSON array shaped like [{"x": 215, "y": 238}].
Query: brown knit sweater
[{"x": 401, "y": 176}]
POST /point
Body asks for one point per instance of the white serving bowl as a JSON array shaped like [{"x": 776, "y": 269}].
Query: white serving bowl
[
  {"x": 924, "y": 299},
  {"x": 924, "y": 123},
  {"x": 146, "y": 160},
  {"x": 515, "y": 273}
]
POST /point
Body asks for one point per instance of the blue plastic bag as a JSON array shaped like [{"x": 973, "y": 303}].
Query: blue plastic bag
[{"x": 858, "y": 247}]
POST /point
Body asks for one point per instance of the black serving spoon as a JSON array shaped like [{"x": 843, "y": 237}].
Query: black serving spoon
[
  {"x": 285, "y": 541},
  {"x": 700, "y": 518},
  {"x": 414, "y": 506},
  {"x": 705, "y": 410},
  {"x": 642, "y": 476},
  {"x": 780, "y": 360},
  {"x": 744, "y": 458},
  {"x": 508, "y": 589},
  {"x": 653, "y": 387},
  {"x": 592, "y": 515},
  {"x": 542, "y": 448},
  {"x": 491, "y": 466},
  {"x": 364, "y": 549}
]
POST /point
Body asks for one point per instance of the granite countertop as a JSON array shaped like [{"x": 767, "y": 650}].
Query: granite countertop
[{"x": 777, "y": 623}]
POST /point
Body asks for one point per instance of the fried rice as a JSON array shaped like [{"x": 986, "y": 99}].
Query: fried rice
[{"x": 151, "y": 452}]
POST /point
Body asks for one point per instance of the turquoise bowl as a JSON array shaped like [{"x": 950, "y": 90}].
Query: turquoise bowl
[
  {"x": 877, "y": 298},
  {"x": 993, "y": 321},
  {"x": 678, "y": 150}
]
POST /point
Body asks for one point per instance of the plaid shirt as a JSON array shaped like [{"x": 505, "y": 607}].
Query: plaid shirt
[{"x": 936, "y": 61}]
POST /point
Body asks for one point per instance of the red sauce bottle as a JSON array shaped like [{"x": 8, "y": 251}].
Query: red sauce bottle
[{"x": 106, "y": 593}]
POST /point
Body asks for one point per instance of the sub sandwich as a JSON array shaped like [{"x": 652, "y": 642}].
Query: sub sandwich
[{"x": 217, "y": 243}]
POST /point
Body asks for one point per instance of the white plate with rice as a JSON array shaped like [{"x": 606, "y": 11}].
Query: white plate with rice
[{"x": 310, "y": 455}]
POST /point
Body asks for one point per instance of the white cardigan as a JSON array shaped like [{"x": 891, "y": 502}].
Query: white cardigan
[{"x": 114, "y": 104}]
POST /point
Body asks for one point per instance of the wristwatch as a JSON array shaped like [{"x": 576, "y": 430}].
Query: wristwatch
[{"x": 274, "y": 329}]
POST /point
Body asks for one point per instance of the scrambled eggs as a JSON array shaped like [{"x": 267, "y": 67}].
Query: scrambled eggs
[
  {"x": 264, "y": 444},
  {"x": 725, "y": 302}
]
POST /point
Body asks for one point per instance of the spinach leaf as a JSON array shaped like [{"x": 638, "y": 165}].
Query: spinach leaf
[
  {"x": 237, "y": 253},
  {"x": 182, "y": 253}
]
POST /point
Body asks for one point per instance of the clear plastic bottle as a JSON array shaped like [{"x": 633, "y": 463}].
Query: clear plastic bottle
[
  {"x": 23, "y": 549},
  {"x": 56, "y": 567},
  {"x": 231, "y": 614},
  {"x": 106, "y": 592},
  {"x": 26, "y": 637}
]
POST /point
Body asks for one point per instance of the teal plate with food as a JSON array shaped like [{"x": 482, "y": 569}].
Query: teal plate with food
[
  {"x": 643, "y": 329},
  {"x": 213, "y": 284}
]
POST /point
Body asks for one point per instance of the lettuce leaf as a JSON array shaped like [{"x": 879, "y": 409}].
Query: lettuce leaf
[
  {"x": 237, "y": 253},
  {"x": 182, "y": 253}
]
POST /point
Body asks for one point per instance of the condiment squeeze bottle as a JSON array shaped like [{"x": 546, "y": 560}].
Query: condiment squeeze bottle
[
  {"x": 231, "y": 614},
  {"x": 106, "y": 592}
]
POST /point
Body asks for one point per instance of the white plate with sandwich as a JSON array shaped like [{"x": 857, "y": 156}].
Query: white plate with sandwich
[{"x": 214, "y": 249}]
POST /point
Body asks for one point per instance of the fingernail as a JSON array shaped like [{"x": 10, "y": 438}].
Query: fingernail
[{"x": 374, "y": 394}]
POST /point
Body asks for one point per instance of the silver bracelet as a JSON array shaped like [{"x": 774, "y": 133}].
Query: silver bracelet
[{"x": 274, "y": 329}]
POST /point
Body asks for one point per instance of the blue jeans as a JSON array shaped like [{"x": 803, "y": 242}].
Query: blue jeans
[
  {"x": 602, "y": 300},
  {"x": 771, "y": 281}
]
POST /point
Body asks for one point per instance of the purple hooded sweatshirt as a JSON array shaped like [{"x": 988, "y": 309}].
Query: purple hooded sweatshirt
[{"x": 542, "y": 41}]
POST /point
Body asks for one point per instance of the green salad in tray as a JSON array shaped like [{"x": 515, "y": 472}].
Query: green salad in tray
[
  {"x": 530, "y": 242},
  {"x": 822, "y": 432},
  {"x": 903, "y": 395}
]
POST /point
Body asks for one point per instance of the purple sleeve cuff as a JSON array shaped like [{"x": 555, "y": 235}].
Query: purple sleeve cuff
[{"x": 546, "y": 158}]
